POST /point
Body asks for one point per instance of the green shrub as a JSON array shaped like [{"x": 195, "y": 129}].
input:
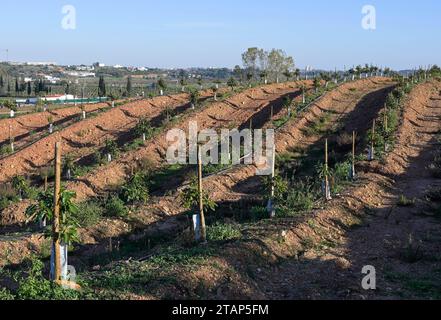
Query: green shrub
[
  {"x": 300, "y": 199},
  {"x": 190, "y": 198},
  {"x": 89, "y": 213},
  {"x": 5, "y": 294},
  {"x": 258, "y": 213},
  {"x": 223, "y": 232},
  {"x": 136, "y": 190},
  {"x": 5, "y": 150},
  {"x": 115, "y": 207},
  {"x": 340, "y": 175},
  {"x": 36, "y": 287},
  {"x": 8, "y": 195}
]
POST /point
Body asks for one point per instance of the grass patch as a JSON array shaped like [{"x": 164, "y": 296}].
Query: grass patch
[
  {"x": 223, "y": 232},
  {"x": 405, "y": 202}
]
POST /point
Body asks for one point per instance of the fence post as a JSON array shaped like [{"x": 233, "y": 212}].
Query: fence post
[{"x": 56, "y": 222}]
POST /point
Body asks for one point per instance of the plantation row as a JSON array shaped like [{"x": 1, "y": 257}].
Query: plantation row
[{"x": 136, "y": 192}]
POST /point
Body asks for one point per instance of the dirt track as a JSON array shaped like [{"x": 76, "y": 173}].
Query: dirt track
[{"x": 366, "y": 227}]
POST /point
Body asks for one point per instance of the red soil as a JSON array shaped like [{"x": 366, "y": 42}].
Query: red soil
[
  {"x": 84, "y": 137},
  {"x": 235, "y": 112}
]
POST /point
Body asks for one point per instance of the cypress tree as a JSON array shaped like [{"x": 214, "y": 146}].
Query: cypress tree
[
  {"x": 129, "y": 86},
  {"x": 17, "y": 88},
  {"x": 29, "y": 88},
  {"x": 102, "y": 87}
]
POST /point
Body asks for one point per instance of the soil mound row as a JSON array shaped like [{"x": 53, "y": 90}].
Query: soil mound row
[
  {"x": 235, "y": 112},
  {"x": 366, "y": 99},
  {"x": 84, "y": 137}
]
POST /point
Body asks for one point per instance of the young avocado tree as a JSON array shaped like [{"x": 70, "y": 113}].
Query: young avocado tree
[
  {"x": 287, "y": 103},
  {"x": 316, "y": 84},
  {"x": 8, "y": 104},
  {"x": 232, "y": 83},
  {"x": 43, "y": 211},
  {"x": 325, "y": 174},
  {"x": 297, "y": 74},
  {"x": 162, "y": 86},
  {"x": 288, "y": 75},
  {"x": 183, "y": 83},
  {"x": 110, "y": 149},
  {"x": 50, "y": 120},
  {"x": 194, "y": 98},
  {"x": 215, "y": 90},
  {"x": 68, "y": 166},
  {"x": 144, "y": 129},
  {"x": 194, "y": 197},
  {"x": 21, "y": 185},
  {"x": 326, "y": 77},
  {"x": 200, "y": 83},
  {"x": 59, "y": 207}
]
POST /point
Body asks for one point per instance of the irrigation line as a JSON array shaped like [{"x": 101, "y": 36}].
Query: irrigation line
[
  {"x": 303, "y": 109},
  {"x": 307, "y": 106}
]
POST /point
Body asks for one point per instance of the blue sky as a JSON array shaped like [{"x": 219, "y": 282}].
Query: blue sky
[{"x": 176, "y": 33}]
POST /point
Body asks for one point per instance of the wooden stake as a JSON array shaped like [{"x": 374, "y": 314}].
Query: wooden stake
[
  {"x": 273, "y": 176},
  {"x": 56, "y": 223},
  {"x": 353, "y": 156},
  {"x": 326, "y": 171},
  {"x": 201, "y": 196},
  {"x": 353, "y": 147}
]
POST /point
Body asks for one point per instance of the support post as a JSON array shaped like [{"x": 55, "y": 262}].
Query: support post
[
  {"x": 201, "y": 197},
  {"x": 56, "y": 222},
  {"x": 271, "y": 203},
  {"x": 353, "y": 156},
  {"x": 11, "y": 140},
  {"x": 372, "y": 148},
  {"x": 327, "y": 187}
]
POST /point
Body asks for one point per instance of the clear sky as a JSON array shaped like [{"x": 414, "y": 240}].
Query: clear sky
[{"x": 186, "y": 33}]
